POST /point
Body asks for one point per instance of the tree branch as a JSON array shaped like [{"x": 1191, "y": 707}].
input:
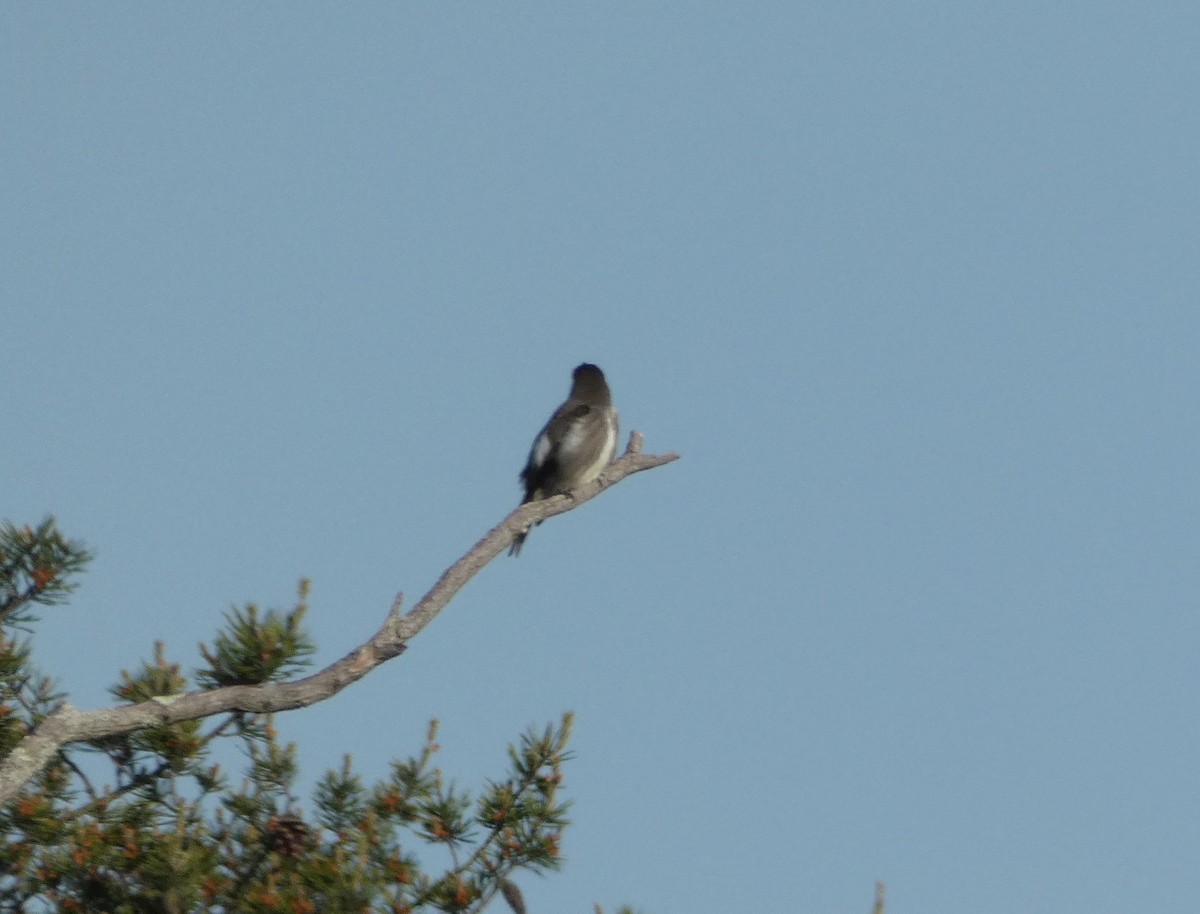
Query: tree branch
[{"x": 67, "y": 724}]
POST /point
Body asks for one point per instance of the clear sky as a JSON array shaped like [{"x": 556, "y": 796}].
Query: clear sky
[{"x": 913, "y": 287}]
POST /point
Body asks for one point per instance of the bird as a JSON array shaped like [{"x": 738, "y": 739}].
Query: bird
[{"x": 574, "y": 446}]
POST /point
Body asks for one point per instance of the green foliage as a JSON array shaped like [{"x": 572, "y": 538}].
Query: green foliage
[
  {"x": 252, "y": 650},
  {"x": 38, "y": 565},
  {"x": 149, "y": 822},
  {"x": 176, "y": 747},
  {"x": 181, "y": 843}
]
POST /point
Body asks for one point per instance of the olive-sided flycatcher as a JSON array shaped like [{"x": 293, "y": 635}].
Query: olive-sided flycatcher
[{"x": 574, "y": 446}]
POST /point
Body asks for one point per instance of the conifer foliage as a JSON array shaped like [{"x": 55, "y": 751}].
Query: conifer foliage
[{"x": 149, "y": 821}]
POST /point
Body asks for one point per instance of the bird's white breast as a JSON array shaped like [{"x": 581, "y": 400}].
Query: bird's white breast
[{"x": 575, "y": 439}]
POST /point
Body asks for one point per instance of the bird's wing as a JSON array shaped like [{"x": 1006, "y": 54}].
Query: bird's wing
[{"x": 543, "y": 456}]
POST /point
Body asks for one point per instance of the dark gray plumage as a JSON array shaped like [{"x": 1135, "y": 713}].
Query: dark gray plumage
[{"x": 574, "y": 446}]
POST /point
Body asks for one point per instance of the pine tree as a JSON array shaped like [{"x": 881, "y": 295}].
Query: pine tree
[
  {"x": 125, "y": 809},
  {"x": 144, "y": 820}
]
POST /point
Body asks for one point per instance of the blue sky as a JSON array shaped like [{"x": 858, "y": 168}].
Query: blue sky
[{"x": 913, "y": 287}]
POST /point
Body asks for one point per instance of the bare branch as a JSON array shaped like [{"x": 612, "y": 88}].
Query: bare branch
[{"x": 67, "y": 724}]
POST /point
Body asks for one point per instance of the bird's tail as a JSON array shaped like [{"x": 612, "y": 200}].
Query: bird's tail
[
  {"x": 518, "y": 542},
  {"x": 519, "y": 539}
]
